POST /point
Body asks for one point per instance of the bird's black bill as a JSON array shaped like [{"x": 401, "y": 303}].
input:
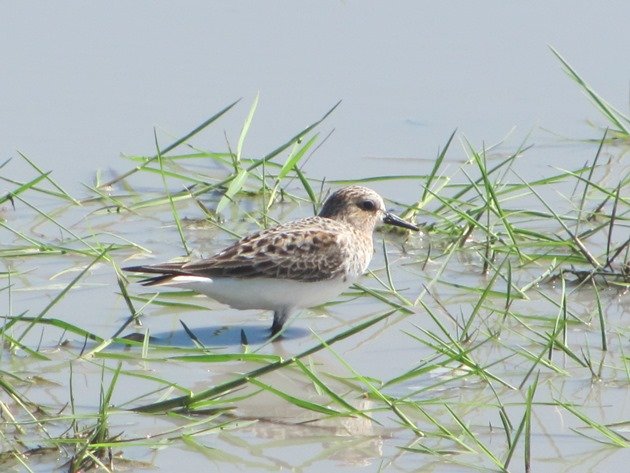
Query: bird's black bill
[{"x": 392, "y": 219}]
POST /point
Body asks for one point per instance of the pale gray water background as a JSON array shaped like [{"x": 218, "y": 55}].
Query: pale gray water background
[{"x": 82, "y": 83}]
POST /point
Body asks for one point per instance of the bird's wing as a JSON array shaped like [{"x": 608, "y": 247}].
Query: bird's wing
[{"x": 304, "y": 251}]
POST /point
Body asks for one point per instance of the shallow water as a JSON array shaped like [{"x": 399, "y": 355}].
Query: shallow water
[
  {"x": 284, "y": 435},
  {"x": 408, "y": 77}
]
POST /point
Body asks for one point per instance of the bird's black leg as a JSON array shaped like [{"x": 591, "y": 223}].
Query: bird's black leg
[{"x": 279, "y": 318}]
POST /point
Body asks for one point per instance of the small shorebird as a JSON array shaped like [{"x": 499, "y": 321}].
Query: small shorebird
[{"x": 292, "y": 266}]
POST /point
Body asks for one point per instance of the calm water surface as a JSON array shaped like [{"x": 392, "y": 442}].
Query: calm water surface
[{"x": 83, "y": 83}]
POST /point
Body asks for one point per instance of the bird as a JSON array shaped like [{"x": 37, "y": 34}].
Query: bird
[{"x": 292, "y": 266}]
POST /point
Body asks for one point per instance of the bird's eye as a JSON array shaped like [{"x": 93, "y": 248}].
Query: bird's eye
[{"x": 368, "y": 205}]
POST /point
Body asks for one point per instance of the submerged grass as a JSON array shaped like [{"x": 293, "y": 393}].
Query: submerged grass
[{"x": 489, "y": 304}]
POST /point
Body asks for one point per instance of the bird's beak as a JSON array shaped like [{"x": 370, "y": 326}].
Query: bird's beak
[{"x": 392, "y": 219}]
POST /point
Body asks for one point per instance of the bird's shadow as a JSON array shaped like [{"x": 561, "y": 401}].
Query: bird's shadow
[{"x": 219, "y": 336}]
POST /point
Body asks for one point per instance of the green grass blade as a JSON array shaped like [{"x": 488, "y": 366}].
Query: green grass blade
[
  {"x": 245, "y": 129},
  {"x": 613, "y": 115}
]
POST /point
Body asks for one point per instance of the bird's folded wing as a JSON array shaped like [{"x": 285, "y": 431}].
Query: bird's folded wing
[
  {"x": 306, "y": 254},
  {"x": 300, "y": 254}
]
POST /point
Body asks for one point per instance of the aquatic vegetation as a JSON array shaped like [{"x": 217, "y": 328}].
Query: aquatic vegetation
[{"x": 458, "y": 344}]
